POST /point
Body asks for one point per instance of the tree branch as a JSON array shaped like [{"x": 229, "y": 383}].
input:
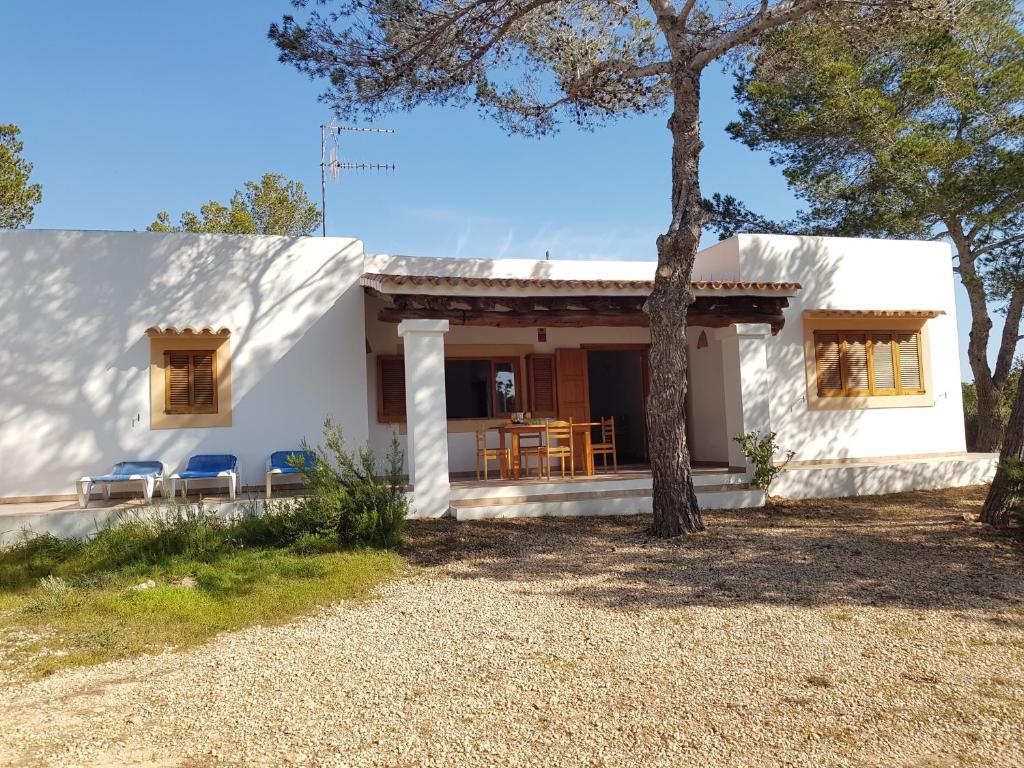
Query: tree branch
[
  {"x": 766, "y": 18},
  {"x": 999, "y": 244},
  {"x": 1010, "y": 337}
]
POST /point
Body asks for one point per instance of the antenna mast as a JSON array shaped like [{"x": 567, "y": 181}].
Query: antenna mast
[{"x": 331, "y": 166}]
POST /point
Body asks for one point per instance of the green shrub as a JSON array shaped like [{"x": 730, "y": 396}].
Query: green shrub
[
  {"x": 760, "y": 451},
  {"x": 281, "y": 524},
  {"x": 55, "y": 596},
  {"x": 366, "y": 506}
]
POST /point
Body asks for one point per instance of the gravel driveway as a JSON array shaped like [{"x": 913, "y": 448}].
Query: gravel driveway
[{"x": 866, "y": 632}]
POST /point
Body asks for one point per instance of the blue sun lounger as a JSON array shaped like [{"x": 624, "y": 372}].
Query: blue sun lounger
[
  {"x": 208, "y": 466},
  {"x": 278, "y": 464},
  {"x": 148, "y": 474}
]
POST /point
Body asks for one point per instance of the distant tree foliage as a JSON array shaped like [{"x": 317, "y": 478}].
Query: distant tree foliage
[
  {"x": 915, "y": 133},
  {"x": 273, "y": 206},
  {"x": 18, "y": 198}
]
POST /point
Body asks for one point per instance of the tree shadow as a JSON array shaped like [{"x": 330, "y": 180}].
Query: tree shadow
[{"x": 911, "y": 551}]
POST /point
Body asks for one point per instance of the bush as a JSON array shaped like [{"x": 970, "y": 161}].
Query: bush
[
  {"x": 348, "y": 491},
  {"x": 760, "y": 451}
]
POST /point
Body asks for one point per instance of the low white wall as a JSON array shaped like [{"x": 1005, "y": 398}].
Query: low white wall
[
  {"x": 847, "y": 273},
  {"x": 74, "y": 357},
  {"x": 817, "y": 482}
]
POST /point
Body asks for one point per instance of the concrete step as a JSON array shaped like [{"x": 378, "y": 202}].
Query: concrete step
[{"x": 574, "y": 503}]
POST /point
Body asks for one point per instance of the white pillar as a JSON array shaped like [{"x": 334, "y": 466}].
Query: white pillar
[
  {"x": 426, "y": 420},
  {"x": 745, "y": 375}
]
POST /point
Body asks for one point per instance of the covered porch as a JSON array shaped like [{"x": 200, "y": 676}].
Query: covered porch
[{"x": 561, "y": 349}]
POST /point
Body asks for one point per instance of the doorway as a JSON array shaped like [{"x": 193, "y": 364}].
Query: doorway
[{"x": 618, "y": 388}]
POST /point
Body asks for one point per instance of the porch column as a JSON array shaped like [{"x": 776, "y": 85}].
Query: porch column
[
  {"x": 426, "y": 420},
  {"x": 745, "y": 374}
]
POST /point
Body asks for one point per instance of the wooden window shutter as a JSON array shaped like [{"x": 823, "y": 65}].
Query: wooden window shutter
[
  {"x": 190, "y": 381},
  {"x": 827, "y": 361},
  {"x": 541, "y": 372},
  {"x": 390, "y": 389},
  {"x": 178, "y": 396},
  {"x": 909, "y": 356},
  {"x": 883, "y": 364},
  {"x": 855, "y": 364},
  {"x": 204, "y": 382}
]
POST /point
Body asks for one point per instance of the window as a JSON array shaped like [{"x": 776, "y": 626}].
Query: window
[
  {"x": 189, "y": 378},
  {"x": 868, "y": 363},
  {"x": 481, "y": 388},
  {"x": 475, "y": 388},
  {"x": 191, "y": 381}
]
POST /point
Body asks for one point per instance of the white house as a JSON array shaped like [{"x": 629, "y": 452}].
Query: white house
[{"x": 847, "y": 348}]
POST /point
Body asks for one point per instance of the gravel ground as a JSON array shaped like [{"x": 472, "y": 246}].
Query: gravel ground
[{"x": 871, "y": 632}]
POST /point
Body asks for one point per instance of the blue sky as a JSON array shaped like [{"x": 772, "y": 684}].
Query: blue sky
[{"x": 129, "y": 108}]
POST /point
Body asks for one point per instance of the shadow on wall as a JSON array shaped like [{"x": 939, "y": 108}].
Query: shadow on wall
[
  {"x": 834, "y": 274},
  {"x": 74, "y": 361}
]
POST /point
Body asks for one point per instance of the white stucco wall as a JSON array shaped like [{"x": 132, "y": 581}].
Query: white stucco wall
[
  {"x": 74, "y": 357},
  {"x": 720, "y": 261},
  {"x": 847, "y": 273},
  {"x": 705, "y": 407}
]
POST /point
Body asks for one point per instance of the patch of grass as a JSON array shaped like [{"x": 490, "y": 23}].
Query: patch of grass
[
  {"x": 67, "y": 602},
  {"x": 94, "y": 623}
]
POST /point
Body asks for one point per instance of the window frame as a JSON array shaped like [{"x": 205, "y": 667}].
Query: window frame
[
  {"x": 191, "y": 408},
  {"x": 494, "y": 360},
  {"x": 845, "y": 336},
  {"x": 172, "y": 340}
]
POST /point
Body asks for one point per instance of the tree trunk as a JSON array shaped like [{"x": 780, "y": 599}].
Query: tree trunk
[
  {"x": 990, "y": 423},
  {"x": 675, "y": 503},
  {"x": 1004, "y": 495}
]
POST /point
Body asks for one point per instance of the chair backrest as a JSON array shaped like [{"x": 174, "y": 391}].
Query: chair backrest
[
  {"x": 138, "y": 468},
  {"x": 280, "y": 459},
  {"x": 211, "y": 462},
  {"x": 558, "y": 432},
  {"x": 608, "y": 430},
  {"x": 481, "y": 438}
]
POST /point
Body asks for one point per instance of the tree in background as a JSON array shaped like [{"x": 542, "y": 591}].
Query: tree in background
[
  {"x": 274, "y": 206},
  {"x": 533, "y": 63},
  {"x": 18, "y": 198},
  {"x": 919, "y": 134}
]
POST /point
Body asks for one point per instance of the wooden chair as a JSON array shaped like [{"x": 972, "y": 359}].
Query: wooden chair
[
  {"x": 485, "y": 455},
  {"x": 606, "y": 447},
  {"x": 528, "y": 445},
  {"x": 558, "y": 444}
]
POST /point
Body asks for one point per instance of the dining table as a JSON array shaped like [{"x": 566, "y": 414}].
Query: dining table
[{"x": 509, "y": 436}]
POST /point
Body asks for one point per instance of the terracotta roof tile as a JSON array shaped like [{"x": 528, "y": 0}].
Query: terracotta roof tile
[
  {"x": 453, "y": 281},
  {"x": 170, "y": 330}
]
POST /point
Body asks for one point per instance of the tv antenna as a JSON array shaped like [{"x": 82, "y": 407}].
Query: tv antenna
[{"x": 331, "y": 165}]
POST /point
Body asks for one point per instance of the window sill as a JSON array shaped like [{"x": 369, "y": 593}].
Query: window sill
[{"x": 816, "y": 403}]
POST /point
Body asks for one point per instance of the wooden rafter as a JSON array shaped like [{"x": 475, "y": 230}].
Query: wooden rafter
[{"x": 574, "y": 311}]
